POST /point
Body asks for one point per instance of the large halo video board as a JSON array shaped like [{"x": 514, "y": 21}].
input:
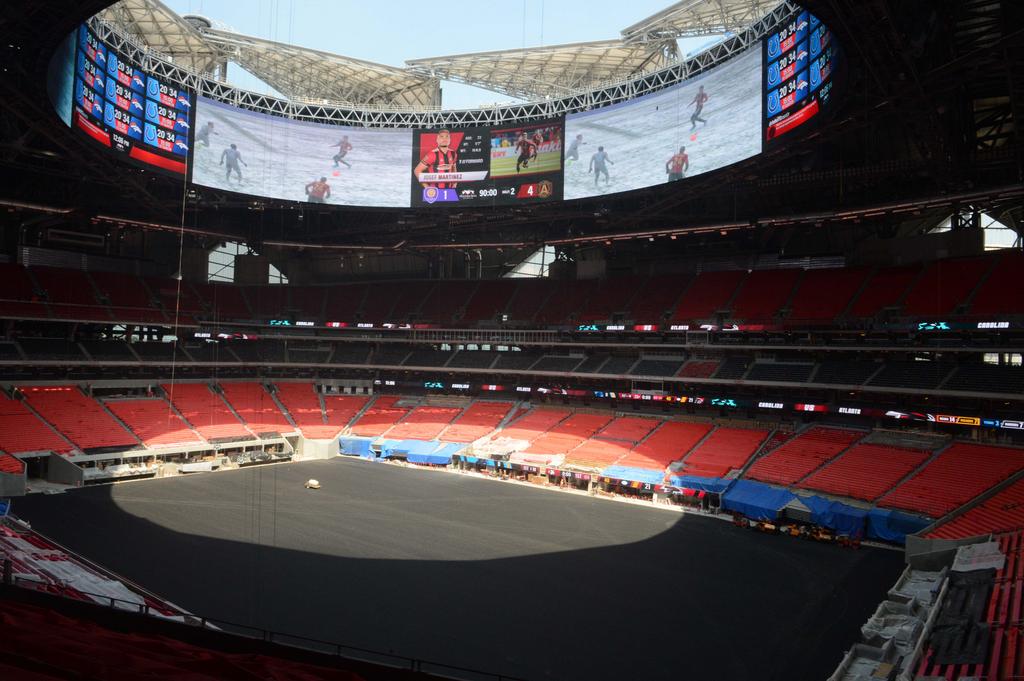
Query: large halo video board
[
  {"x": 125, "y": 109},
  {"x": 800, "y": 60},
  {"x": 711, "y": 120},
  {"x": 503, "y": 165},
  {"x": 254, "y": 153},
  {"x": 699, "y": 125}
]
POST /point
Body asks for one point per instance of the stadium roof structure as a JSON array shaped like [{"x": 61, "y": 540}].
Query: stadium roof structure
[
  {"x": 692, "y": 18},
  {"x": 553, "y": 71},
  {"x": 303, "y": 74},
  {"x": 160, "y": 29},
  {"x": 298, "y": 73},
  {"x": 561, "y": 70}
]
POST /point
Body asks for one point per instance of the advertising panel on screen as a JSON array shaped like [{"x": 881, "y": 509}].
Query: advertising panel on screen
[
  {"x": 707, "y": 122},
  {"x": 503, "y": 165},
  {"x": 800, "y": 60},
  {"x": 280, "y": 158},
  {"x": 127, "y": 110}
]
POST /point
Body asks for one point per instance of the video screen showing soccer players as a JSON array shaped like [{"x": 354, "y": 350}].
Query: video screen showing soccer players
[
  {"x": 800, "y": 62},
  {"x": 127, "y": 110},
  {"x": 707, "y": 122},
  {"x": 488, "y": 166},
  {"x": 254, "y": 153}
]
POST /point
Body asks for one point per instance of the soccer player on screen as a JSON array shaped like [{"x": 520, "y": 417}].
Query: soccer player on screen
[
  {"x": 318, "y": 191},
  {"x": 344, "y": 146},
  {"x": 440, "y": 159},
  {"x": 233, "y": 157},
  {"x": 203, "y": 136},
  {"x": 677, "y": 165},
  {"x": 526, "y": 150},
  {"x": 573, "y": 152},
  {"x": 597, "y": 165},
  {"x": 699, "y": 99},
  {"x": 538, "y": 139}
]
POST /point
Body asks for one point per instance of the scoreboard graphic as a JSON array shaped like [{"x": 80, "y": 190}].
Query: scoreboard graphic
[
  {"x": 488, "y": 166},
  {"x": 799, "y": 65},
  {"x": 128, "y": 110}
]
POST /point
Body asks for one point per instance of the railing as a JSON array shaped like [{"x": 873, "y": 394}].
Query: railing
[{"x": 278, "y": 638}]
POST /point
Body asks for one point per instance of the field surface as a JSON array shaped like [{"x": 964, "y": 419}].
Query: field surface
[{"x": 504, "y": 578}]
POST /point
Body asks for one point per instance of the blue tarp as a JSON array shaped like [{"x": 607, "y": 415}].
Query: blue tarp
[
  {"x": 354, "y": 446},
  {"x": 893, "y": 526},
  {"x": 716, "y": 485},
  {"x": 442, "y": 456},
  {"x": 634, "y": 474},
  {"x": 5, "y": 507},
  {"x": 842, "y": 518},
  {"x": 755, "y": 500}
]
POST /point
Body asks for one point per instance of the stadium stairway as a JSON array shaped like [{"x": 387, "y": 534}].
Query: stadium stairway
[
  {"x": 118, "y": 420},
  {"x": 1000, "y": 509},
  {"x": 284, "y": 410},
  {"x": 15, "y": 414},
  {"x": 829, "y": 462},
  {"x": 776, "y": 438},
  {"x": 170, "y": 405},
  {"x": 217, "y": 390}
]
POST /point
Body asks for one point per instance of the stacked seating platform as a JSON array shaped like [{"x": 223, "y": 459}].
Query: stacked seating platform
[
  {"x": 205, "y": 411},
  {"x": 726, "y": 449},
  {"x": 21, "y": 431},
  {"x": 866, "y": 471},
  {"x": 799, "y": 457},
  {"x": 153, "y": 421},
  {"x": 380, "y": 417},
  {"x": 957, "y": 475},
  {"x": 79, "y": 418},
  {"x": 478, "y": 420},
  {"x": 256, "y": 407}
]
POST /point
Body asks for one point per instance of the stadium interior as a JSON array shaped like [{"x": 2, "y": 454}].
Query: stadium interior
[{"x": 761, "y": 416}]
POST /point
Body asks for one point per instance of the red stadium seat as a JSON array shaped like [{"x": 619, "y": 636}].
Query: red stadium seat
[
  {"x": 423, "y": 423},
  {"x": 153, "y": 421},
  {"x": 670, "y": 442},
  {"x": 709, "y": 292},
  {"x": 79, "y": 418},
  {"x": 303, "y": 405},
  {"x": 380, "y": 417},
  {"x": 256, "y": 407},
  {"x": 866, "y": 471},
  {"x": 763, "y": 294},
  {"x": 22, "y": 431},
  {"x": 954, "y": 477},
  {"x": 803, "y": 454},
  {"x": 724, "y": 450},
  {"x": 206, "y": 411},
  {"x": 479, "y": 420}
]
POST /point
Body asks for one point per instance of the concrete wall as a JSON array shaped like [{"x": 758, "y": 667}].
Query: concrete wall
[
  {"x": 316, "y": 449},
  {"x": 62, "y": 471},
  {"x": 12, "y": 484}
]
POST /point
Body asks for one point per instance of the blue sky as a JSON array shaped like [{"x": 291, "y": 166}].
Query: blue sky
[{"x": 391, "y": 31}]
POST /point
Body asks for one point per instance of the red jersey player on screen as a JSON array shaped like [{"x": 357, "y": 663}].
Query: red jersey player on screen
[
  {"x": 526, "y": 149},
  {"x": 440, "y": 159},
  {"x": 537, "y": 139}
]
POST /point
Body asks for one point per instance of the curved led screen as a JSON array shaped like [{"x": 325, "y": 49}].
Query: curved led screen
[
  {"x": 699, "y": 125},
  {"x": 718, "y": 117},
  {"x": 279, "y": 158}
]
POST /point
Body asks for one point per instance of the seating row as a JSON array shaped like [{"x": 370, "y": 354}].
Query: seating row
[{"x": 969, "y": 286}]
